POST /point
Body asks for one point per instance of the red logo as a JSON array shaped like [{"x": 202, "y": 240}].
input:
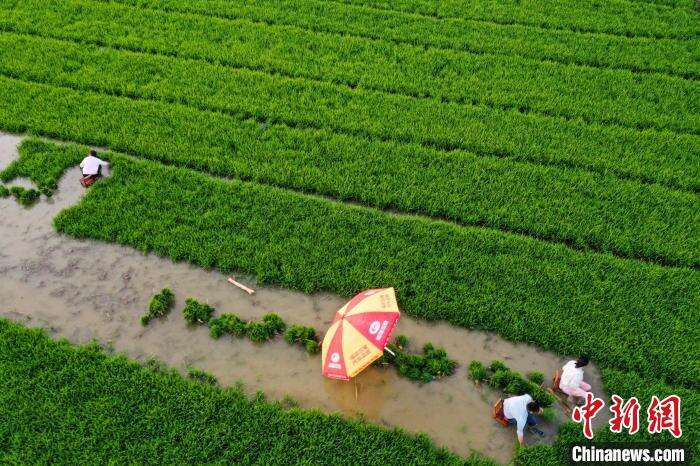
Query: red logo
[
  {"x": 587, "y": 412},
  {"x": 665, "y": 415},
  {"x": 625, "y": 415}
]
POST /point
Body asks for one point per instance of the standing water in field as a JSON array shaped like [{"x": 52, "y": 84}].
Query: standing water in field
[{"x": 86, "y": 290}]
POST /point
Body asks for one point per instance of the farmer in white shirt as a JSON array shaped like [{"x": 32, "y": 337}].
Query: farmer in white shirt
[
  {"x": 520, "y": 410},
  {"x": 91, "y": 166},
  {"x": 571, "y": 381}
]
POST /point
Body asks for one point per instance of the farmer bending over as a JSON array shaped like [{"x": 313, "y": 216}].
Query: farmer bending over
[
  {"x": 520, "y": 410},
  {"x": 91, "y": 168},
  {"x": 571, "y": 381}
]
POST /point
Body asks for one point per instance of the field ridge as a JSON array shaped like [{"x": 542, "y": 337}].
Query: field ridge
[{"x": 257, "y": 17}]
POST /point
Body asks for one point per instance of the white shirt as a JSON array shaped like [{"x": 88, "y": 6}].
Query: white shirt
[
  {"x": 91, "y": 165},
  {"x": 571, "y": 376},
  {"x": 516, "y": 408}
]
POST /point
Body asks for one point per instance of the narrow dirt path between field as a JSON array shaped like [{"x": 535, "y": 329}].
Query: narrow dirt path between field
[{"x": 85, "y": 290}]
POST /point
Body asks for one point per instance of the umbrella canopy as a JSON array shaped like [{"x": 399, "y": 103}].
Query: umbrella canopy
[{"x": 359, "y": 333}]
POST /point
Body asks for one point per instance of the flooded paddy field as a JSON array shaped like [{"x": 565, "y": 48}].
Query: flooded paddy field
[{"x": 85, "y": 290}]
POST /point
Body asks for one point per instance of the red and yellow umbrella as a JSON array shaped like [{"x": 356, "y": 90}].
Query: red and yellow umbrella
[{"x": 359, "y": 333}]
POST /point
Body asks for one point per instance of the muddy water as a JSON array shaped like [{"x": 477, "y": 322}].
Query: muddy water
[{"x": 86, "y": 290}]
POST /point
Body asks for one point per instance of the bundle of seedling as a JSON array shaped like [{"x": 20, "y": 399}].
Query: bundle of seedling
[
  {"x": 266, "y": 329},
  {"x": 159, "y": 307},
  {"x": 499, "y": 376},
  {"x": 26, "y": 197},
  {"x": 431, "y": 365},
  {"x": 304, "y": 336},
  {"x": 258, "y": 332}
]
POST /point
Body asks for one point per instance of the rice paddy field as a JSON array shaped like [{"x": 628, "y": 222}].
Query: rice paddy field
[{"x": 529, "y": 168}]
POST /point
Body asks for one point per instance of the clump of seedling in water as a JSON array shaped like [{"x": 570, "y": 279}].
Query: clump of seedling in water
[
  {"x": 25, "y": 197},
  {"x": 499, "y": 376},
  {"x": 431, "y": 365},
  {"x": 4, "y": 192},
  {"x": 201, "y": 376},
  {"x": 196, "y": 312},
  {"x": 266, "y": 329},
  {"x": 304, "y": 336},
  {"x": 160, "y": 306},
  {"x": 536, "y": 377},
  {"x": 227, "y": 324},
  {"x": 477, "y": 372}
]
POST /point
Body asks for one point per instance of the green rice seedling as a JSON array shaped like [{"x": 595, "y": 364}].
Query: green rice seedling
[
  {"x": 501, "y": 378},
  {"x": 518, "y": 386},
  {"x": 569, "y": 92},
  {"x": 513, "y": 383},
  {"x": 258, "y": 332},
  {"x": 497, "y": 366},
  {"x": 477, "y": 371},
  {"x": 202, "y": 376},
  {"x": 401, "y": 341},
  {"x": 312, "y": 346},
  {"x": 306, "y": 336},
  {"x": 431, "y": 365},
  {"x": 561, "y": 45},
  {"x": 227, "y": 324},
  {"x": 43, "y": 163},
  {"x": 209, "y": 423},
  {"x": 494, "y": 193},
  {"x": 25, "y": 197},
  {"x": 197, "y": 313},
  {"x": 270, "y": 325},
  {"x": 536, "y": 377},
  {"x": 28, "y": 197},
  {"x": 618, "y": 17},
  {"x": 4, "y": 192},
  {"x": 259, "y": 398},
  {"x": 159, "y": 306},
  {"x": 274, "y": 322},
  {"x": 236, "y": 220}
]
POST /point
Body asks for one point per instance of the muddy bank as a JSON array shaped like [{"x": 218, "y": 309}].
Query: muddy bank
[{"x": 86, "y": 290}]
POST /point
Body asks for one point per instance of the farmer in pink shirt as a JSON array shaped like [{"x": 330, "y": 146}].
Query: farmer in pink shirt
[{"x": 571, "y": 381}]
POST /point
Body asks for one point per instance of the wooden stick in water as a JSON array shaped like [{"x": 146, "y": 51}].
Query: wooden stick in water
[{"x": 240, "y": 285}]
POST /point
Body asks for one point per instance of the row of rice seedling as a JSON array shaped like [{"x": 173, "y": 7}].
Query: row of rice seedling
[
  {"x": 123, "y": 413},
  {"x": 261, "y": 331},
  {"x": 647, "y": 155},
  {"x": 509, "y": 83},
  {"x": 523, "y": 289},
  {"x": 619, "y": 17},
  {"x": 675, "y": 57},
  {"x": 575, "y": 207}
]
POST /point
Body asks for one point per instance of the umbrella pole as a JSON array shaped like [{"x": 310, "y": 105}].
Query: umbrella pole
[{"x": 355, "y": 380}]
